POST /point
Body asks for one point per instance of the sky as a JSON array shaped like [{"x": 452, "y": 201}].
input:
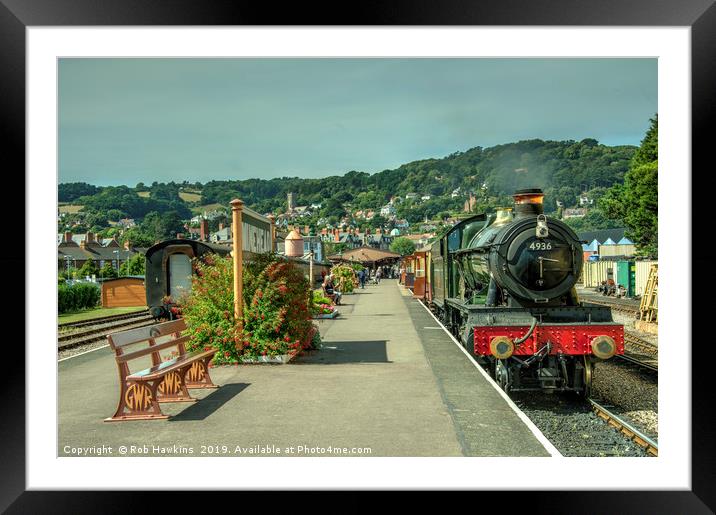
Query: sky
[{"x": 124, "y": 121}]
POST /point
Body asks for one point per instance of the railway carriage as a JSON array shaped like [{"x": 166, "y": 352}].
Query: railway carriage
[
  {"x": 503, "y": 283},
  {"x": 168, "y": 270}
]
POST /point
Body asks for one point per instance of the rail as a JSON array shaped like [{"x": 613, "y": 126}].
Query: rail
[
  {"x": 76, "y": 338},
  {"x": 625, "y": 428},
  {"x": 99, "y": 320}
]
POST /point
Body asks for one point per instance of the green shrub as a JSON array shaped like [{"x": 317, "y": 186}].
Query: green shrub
[
  {"x": 320, "y": 298},
  {"x": 344, "y": 278},
  {"x": 78, "y": 296}
]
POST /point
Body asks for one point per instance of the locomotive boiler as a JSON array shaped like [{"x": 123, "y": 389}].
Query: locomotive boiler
[{"x": 504, "y": 284}]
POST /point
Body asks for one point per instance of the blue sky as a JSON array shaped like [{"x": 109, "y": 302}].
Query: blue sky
[{"x": 122, "y": 121}]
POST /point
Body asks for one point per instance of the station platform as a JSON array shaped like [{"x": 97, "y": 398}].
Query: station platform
[{"x": 388, "y": 381}]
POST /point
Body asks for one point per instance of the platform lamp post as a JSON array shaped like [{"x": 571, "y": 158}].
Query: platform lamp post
[
  {"x": 67, "y": 260},
  {"x": 237, "y": 207},
  {"x": 272, "y": 229},
  {"x": 310, "y": 266}
]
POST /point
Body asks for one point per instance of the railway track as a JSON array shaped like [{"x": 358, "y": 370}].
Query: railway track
[
  {"x": 640, "y": 344},
  {"x": 100, "y": 320},
  {"x": 640, "y": 352},
  {"x": 99, "y": 331},
  {"x": 616, "y": 306},
  {"x": 636, "y": 436}
]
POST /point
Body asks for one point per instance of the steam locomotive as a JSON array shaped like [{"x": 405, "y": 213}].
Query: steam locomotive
[{"x": 504, "y": 284}]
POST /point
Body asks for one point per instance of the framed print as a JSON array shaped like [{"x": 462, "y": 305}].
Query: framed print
[{"x": 296, "y": 113}]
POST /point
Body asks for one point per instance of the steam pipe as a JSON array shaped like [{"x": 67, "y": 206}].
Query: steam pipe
[{"x": 528, "y": 334}]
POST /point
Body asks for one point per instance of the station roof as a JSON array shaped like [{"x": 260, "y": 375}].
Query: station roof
[{"x": 365, "y": 255}]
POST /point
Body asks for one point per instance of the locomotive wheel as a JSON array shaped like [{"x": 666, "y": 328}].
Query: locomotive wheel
[
  {"x": 502, "y": 374},
  {"x": 588, "y": 373}
]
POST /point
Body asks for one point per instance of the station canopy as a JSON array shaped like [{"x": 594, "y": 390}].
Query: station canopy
[{"x": 366, "y": 256}]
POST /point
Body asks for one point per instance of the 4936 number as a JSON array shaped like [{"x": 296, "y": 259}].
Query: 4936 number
[{"x": 540, "y": 245}]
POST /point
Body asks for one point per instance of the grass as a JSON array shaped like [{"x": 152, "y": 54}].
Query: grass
[
  {"x": 89, "y": 314},
  {"x": 69, "y": 208},
  {"x": 190, "y": 197},
  {"x": 186, "y": 196},
  {"x": 208, "y": 207}
]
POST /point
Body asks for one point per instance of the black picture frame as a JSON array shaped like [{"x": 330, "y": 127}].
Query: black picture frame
[{"x": 700, "y": 15}]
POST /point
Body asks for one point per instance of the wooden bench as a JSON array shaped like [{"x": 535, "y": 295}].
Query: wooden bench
[{"x": 165, "y": 381}]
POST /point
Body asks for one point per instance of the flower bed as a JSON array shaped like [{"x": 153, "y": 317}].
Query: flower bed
[
  {"x": 276, "y": 318},
  {"x": 331, "y": 313},
  {"x": 322, "y": 306}
]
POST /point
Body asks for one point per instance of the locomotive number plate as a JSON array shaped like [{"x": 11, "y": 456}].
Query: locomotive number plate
[{"x": 541, "y": 245}]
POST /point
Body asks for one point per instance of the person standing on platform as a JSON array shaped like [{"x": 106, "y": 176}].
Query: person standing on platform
[
  {"x": 361, "y": 278},
  {"x": 378, "y": 275}
]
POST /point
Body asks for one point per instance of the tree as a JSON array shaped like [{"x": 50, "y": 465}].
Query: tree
[
  {"x": 115, "y": 214},
  {"x": 402, "y": 246},
  {"x": 108, "y": 271},
  {"x": 331, "y": 248},
  {"x": 594, "y": 220},
  {"x": 71, "y": 191},
  {"x": 378, "y": 221},
  {"x": 137, "y": 238},
  {"x": 636, "y": 201},
  {"x": 135, "y": 265},
  {"x": 88, "y": 269},
  {"x": 333, "y": 207}
]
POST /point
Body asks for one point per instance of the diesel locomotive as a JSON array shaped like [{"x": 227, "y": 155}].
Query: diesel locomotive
[{"x": 504, "y": 284}]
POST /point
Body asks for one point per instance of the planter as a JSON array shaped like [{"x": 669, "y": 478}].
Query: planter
[
  {"x": 332, "y": 315},
  {"x": 281, "y": 359}
]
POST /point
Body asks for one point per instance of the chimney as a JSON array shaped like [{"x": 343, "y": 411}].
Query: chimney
[
  {"x": 336, "y": 235},
  {"x": 221, "y": 226},
  {"x": 204, "y": 229},
  {"x": 68, "y": 237},
  {"x": 180, "y": 236},
  {"x": 89, "y": 237}
]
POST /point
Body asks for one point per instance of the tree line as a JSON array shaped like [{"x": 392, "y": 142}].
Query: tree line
[{"x": 610, "y": 175}]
